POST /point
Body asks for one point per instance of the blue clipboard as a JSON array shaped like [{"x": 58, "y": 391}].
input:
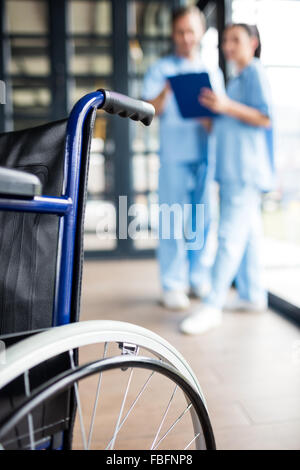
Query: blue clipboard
[{"x": 187, "y": 88}]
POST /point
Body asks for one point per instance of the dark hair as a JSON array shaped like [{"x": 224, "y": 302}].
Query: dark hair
[
  {"x": 182, "y": 11},
  {"x": 253, "y": 32}
]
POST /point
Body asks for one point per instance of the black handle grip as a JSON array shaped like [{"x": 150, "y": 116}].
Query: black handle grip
[{"x": 115, "y": 103}]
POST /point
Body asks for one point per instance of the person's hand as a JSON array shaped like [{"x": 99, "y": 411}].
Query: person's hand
[
  {"x": 206, "y": 123},
  {"x": 217, "y": 103}
]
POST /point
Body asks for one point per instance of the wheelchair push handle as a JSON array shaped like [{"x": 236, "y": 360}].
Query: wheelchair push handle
[{"x": 137, "y": 110}]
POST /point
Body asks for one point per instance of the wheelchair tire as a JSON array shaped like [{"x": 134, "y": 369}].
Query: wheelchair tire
[{"x": 32, "y": 352}]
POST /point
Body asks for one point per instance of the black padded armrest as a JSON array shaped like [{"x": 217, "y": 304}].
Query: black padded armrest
[{"x": 19, "y": 183}]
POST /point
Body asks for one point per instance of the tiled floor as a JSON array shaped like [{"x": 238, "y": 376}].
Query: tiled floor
[{"x": 249, "y": 368}]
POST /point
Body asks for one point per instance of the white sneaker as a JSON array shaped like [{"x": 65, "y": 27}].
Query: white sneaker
[
  {"x": 239, "y": 305},
  {"x": 201, "y": 291},
  {"x": 204, "y": 319},
  {"x": 175, "y": 300}
]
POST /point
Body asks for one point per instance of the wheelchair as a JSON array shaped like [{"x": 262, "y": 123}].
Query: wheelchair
[{"x": 64, "y": 383}]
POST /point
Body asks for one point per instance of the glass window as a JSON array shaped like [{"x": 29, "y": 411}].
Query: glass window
[
  {"x": 144, "y": 139},
  {"x": 143, "y": 225},
  {"x": 153, "y": 168},
  {"x": 90, "y": 57},
  {"x": 101, "y": 214},
  {"x": 279, "y": 36},
  {"x": 149, "y": 18},
  {"x": 144, "y": 52},
  {"x": 101, "y": 164},
  {"x": 210, "y": 40},
  {"x": 29, "y": 57},
  {"x": 90, "y": 17},
  {"x": 100, "y": 225},
  {"x": 145, "y": 172},
  {"x": 27, "y": 16},
  {"x": 209, "y": 48},
  {"x": 30, "y": 97},
  {"x": 81, "y": 86}
]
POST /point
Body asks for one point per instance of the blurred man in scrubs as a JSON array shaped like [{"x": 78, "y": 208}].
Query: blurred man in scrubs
[
  {"x": 243, "y": 170},
  {"x": 184, "y": 174}
]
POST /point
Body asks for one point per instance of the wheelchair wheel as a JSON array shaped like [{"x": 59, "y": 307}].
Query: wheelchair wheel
[{"x": 131, "y": 389}]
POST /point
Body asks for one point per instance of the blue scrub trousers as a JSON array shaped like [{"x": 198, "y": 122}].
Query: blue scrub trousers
[
  {"x": 238, "y": 254},
  {"x": 182, "y": 258}
]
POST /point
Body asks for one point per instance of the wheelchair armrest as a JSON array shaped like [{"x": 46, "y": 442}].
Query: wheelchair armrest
[{"x": 15, "y": 183}]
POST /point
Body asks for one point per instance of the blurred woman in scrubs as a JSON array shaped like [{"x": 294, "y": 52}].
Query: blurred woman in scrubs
[
  {"x": 243, "y": 171},
  {"x": 185, "y": 172}
]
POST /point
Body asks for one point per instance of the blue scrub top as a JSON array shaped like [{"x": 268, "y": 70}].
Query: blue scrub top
[
  {"x": 243, "y": 151},
  {"x": 181, "y": 140}
]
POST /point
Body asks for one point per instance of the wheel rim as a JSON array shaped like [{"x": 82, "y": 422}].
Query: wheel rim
[{"x": 77, "y": 374}]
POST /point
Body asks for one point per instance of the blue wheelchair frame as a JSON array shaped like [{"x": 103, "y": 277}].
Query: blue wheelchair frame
[{"x": 66, "y": 205}]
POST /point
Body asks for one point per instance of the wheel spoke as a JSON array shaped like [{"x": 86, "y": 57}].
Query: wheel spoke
[
  {"x": 191, "y": 442},
  {"x": 43, "y": 429},
  {"x": 133, "y": 404},
  {"x": 173, "y": 425},
  {"x": 121, "y": 412},
  {"x": 96, "y": 402},
  {"x": 164, "y": 417},
  {"x": 29, "y": 417},
  {"x": 82, "y": 429}
]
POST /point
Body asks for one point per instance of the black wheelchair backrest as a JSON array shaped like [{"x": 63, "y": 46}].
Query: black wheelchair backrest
[{"x": 28, "y": 242}]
